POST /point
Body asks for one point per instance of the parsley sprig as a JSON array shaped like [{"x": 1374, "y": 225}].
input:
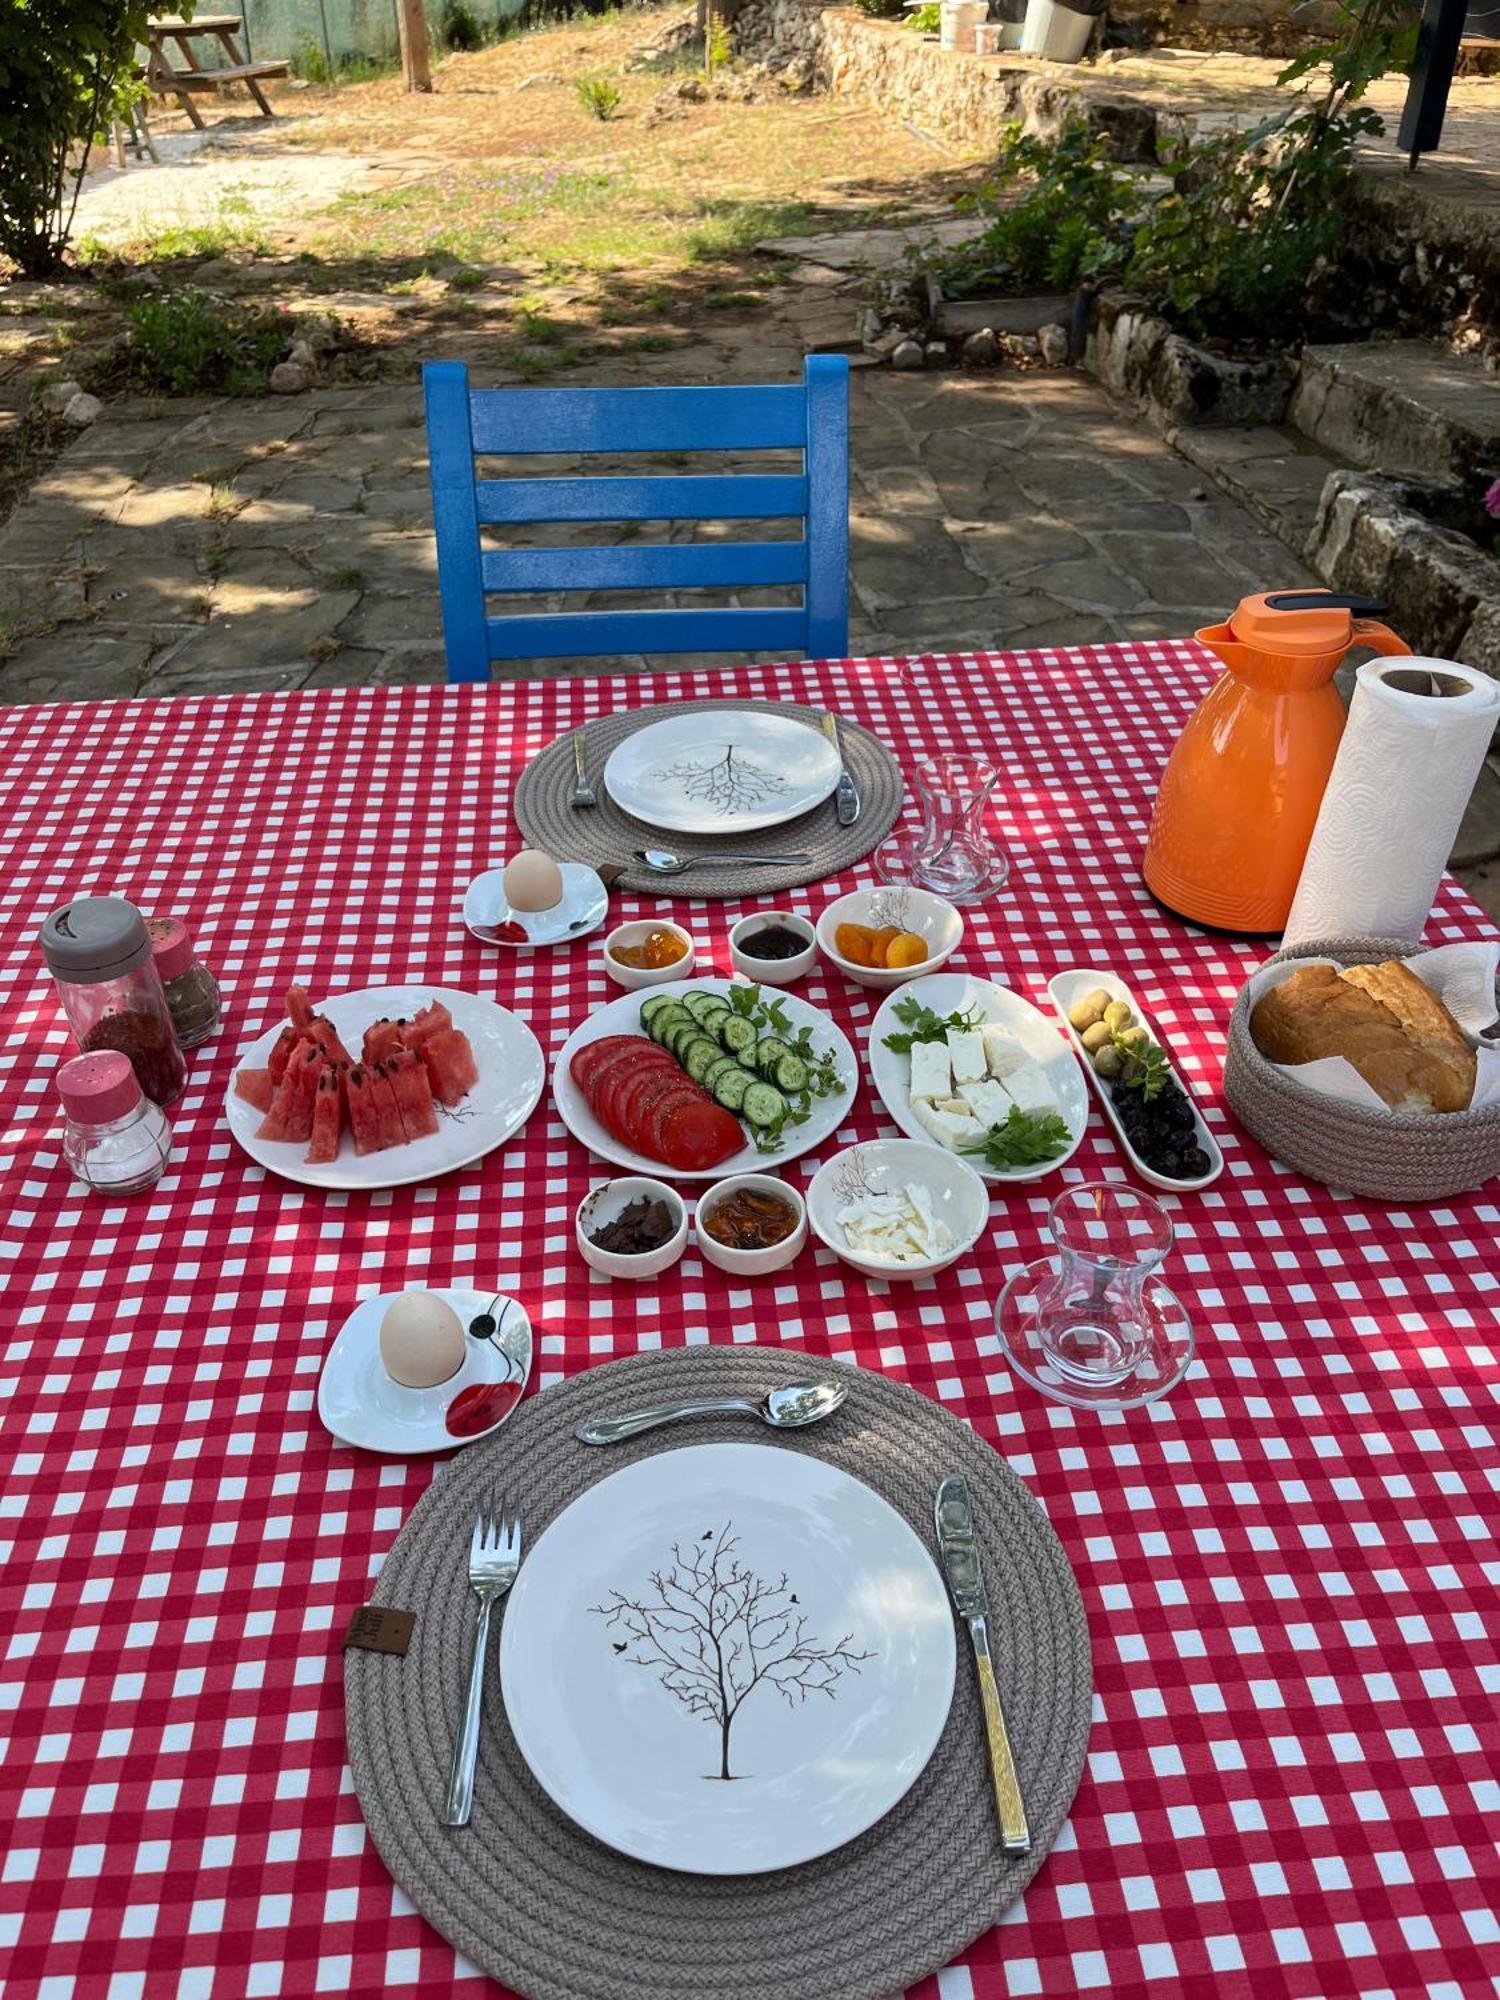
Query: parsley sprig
[
  {"x": 1146, "y": 1069},
  {"x": 1024, "y": 1140},
  {"x": 922, "y": 1025}
]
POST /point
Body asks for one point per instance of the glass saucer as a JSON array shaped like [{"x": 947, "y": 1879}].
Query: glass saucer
[
  {"x": 896, "y": 862},
  {"x": 1161, "y": 1368}
]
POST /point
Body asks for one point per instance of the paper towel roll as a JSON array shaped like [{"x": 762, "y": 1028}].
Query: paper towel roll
[{"x": 1417, "y": 735}]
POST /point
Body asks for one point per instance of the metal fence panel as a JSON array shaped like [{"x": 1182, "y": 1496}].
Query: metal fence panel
[{"x": 338, "y": 31}]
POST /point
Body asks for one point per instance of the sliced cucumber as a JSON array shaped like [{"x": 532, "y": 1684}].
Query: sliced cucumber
[
  {"x": 654, "y": 1006},
  {"x": 699, "y": 1056},
  {"x": 768, "y": 1052},
  {"x": 681, "y": 1034},
  {"x": 764, "y": 1106},
  {"x": 672, "y": 1015},
  {"x": 698, "y": 1003},
  {"x": 717, "y": 1068},
  {"x": 791, "y": 1075},
  {"x": 737, "y": 1035},
  {"x": 732, "y": 1087}
]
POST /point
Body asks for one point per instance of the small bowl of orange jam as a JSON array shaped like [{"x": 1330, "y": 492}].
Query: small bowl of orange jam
[{"x": 648, "y": 952}]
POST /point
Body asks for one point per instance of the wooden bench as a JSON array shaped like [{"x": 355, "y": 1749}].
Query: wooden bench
[{"x": 170, "y": 35}]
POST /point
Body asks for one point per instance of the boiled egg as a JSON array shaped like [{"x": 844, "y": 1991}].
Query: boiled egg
[
  {"x": 421, "y": 1340},
  {"x": 533, "y": 881}
]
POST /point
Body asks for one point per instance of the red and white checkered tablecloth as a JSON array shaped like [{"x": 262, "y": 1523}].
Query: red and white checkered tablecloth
[{"x": 1289, "y": 1566}]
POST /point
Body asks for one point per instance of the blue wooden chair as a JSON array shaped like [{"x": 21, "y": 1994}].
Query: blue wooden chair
[{"x": 812, "y": 418}]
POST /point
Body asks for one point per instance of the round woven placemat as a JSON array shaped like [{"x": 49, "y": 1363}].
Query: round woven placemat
[
  {"x": 1379, "y": 1154},
  {"x": 552, "y": 1913},
  {"x": 604, "y": 834}
]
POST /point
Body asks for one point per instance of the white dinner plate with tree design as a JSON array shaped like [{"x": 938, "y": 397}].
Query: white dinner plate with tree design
[
  {"x": 727, "y": 771},
  {"x": 727, "y": 1658}
]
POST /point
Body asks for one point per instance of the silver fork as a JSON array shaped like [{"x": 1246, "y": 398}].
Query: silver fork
[
  {"x": 583, "y": 793},
  {"x": 494, "y": 1558}
]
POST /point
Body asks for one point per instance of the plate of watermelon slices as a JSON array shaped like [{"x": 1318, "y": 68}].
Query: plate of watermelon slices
[{"x": 384, "y": 1087}]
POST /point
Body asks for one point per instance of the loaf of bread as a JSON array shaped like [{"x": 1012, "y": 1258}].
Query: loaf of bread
[{"x": 1382, "y": 1019}]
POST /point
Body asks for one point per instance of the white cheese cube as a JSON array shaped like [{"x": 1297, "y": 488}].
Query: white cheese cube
[
  {"x": 952, "y": 1124},
  {"x": 1001, "y": 1054},
  {"x": 930, "y": 1073},
  {"x": 1027, "y": 1086},
  {"x": 966, "y": 1052},
  {"x": 987, "y": 1101}
]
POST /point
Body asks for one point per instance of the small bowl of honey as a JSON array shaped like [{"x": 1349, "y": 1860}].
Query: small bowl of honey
[{"x": 648, "y": 952}]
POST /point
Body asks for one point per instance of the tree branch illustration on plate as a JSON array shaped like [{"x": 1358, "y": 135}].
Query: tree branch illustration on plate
[
  {"x": 727, "y": 784},
  {"x": 714, "y": 1632}
]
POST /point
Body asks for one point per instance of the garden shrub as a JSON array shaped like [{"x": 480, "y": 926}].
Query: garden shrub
[
  {"x": 65, "y": 65},
  {"x": 189, "y": 343}
]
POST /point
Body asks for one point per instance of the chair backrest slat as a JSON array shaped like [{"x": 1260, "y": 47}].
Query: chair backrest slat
[
  {"x": 669, "y": 566},
  {"x": 748, "y": 496},
  {"x": 560, "y": 635},
  {"x": 811, "y": 418},
  {"x": 565, "y": 421}
]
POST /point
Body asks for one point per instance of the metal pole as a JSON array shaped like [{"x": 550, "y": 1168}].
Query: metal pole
[{"x": 327, "y": 45}]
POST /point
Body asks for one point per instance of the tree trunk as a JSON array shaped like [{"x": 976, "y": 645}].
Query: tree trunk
[
  {"x": 411, "y": 26},
  {"x": 724, "y": 1728}
]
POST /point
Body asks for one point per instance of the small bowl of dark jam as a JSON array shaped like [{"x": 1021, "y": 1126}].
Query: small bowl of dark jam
[
  {"x": 633, "y": 1227},
  {"x": 772, "y": 947}
]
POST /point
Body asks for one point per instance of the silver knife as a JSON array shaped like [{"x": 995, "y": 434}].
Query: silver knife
[
  {"x": 846, "y": 801},
  {"x": 955, "y": 1532}
]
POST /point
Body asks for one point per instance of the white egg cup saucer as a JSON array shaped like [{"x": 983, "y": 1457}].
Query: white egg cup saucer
[
  {"x": 360, "y": 1404},
  {"x": 583, "y": 908}
]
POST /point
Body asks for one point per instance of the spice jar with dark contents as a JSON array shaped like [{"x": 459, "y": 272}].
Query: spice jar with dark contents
[
  {"x": 750, "y": 1219},
  {"x": 641, "y": 1226},
  {"x": 98, "y": 950},
  {"x": 191, "y": 989}
]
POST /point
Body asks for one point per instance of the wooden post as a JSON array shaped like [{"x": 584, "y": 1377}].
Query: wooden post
[{"x": 411, "y": 26}]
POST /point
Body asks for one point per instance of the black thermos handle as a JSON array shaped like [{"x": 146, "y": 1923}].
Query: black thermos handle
[{"x": 1325, "y": 600}]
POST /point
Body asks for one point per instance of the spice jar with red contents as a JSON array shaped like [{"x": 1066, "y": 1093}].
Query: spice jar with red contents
[
  {"x": 99, "y": 952},
  {"x": 191, "y": 989}
]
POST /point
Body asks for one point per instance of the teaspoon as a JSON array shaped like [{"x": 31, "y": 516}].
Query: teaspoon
[
  {"x": 785, "y": 1409},
  {"x": 660, "y": 862}
]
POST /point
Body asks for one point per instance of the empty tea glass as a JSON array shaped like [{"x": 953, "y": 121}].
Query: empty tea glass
[
  {"x": 1096, "y": 1327},
  {"x": 950, "y": 853}
]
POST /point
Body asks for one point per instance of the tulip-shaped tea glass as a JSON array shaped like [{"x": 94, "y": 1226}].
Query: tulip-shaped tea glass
[
  {"x": 1096, "y": 1327},
  {"x": 950, "y": 853}
]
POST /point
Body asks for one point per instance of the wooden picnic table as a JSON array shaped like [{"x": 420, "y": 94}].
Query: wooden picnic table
[{"x": 171, "y": 36}]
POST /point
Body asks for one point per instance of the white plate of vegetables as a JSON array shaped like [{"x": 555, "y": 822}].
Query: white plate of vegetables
[
  {"x": 731, "y": 1058},
  {"x": 962, "y": 1063}
]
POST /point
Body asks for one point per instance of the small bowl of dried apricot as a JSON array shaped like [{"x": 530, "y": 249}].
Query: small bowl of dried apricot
[{"x": 883, "y": 937}]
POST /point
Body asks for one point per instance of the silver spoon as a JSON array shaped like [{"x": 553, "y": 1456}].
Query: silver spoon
[
  {"x": 785, "y": 1409},
  {"x": 660, "y": 862}
]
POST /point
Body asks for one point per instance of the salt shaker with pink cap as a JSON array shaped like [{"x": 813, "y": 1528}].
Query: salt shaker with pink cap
[{"x": 115, "y": 1139}]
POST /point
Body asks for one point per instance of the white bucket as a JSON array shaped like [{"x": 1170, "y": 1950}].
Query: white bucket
[
  {"x": 960, "y": 19},
  {"x": 1055, "y": 32}
]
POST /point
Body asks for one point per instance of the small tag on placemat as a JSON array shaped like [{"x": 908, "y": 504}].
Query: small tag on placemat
[{"x": 380, "y": 1628}]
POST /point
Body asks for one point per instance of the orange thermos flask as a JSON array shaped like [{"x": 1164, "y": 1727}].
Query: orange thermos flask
[{"x": 1240, "y": 793}]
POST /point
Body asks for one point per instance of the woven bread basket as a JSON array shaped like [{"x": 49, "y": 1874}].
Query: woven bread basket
[{"x": 1390, "y": 1156}]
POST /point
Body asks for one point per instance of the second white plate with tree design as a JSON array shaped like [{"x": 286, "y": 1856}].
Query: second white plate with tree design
[
  {"x": 727, "y": 1658},
  {"x": 732, "y": 771}
]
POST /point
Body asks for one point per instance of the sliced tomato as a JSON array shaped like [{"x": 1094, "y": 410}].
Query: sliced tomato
[
  {"x": 695, "y": 1137},
  {"x": 684, "y": 1092},
  {"x": 618, "y": 1064},
  {"x": 587, "y": 1059},
  {"x": 634, "y": 1098}
]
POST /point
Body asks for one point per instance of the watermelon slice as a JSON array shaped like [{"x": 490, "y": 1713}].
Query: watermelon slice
[
  {"x": 412, "y": 1089},
  {"x": 328, "y": 1119},
  {"x": 364, "y": 1112},
  {"x": 325, "y": 1035},
  {"x": 392, "y": 1131},
  {"x": 256, "y": 1086},
  {"x": 450, "y": 1064},
  {"x": 429, "y": 1020},
  {"x": 299, "y": 1009},
  {"x": 382, "y": 1039},
  {"x": 291, "y": 1114},
  {"x": 281, "y": 1054}
]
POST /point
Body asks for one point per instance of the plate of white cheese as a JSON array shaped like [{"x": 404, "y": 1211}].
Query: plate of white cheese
[{"x": 1004, "y": 1055}]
